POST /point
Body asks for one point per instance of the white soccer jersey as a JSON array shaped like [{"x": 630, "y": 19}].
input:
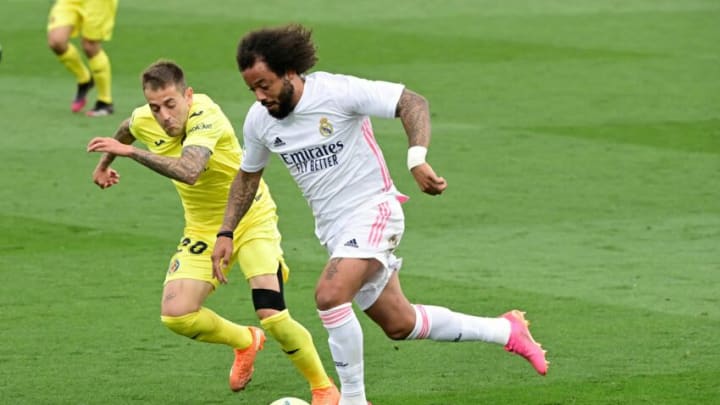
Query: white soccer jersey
[{"x": 328, "y": 145}]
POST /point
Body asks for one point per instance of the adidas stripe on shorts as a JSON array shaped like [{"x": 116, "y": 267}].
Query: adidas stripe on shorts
[{"x": 374, "y": 231}]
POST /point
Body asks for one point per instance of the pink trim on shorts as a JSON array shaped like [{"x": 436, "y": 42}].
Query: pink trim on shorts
[
  {"x": 370, "y": 139},
  {"x": 377, "y": 229}
]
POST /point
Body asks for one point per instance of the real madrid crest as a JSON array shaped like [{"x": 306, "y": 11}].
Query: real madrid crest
[{"x": 326, "y": 128}]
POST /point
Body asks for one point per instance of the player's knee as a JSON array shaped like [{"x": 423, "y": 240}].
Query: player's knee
[
  {"x": 396, "y": 324},
  {"x": 57, "y": 45},
  {"x": 91, "y": 48},
  {"x": 328, "y": 297},
  {"x": 397, "y": 331},
  {"x": 267, "y": 299},
  {"x": 182, "y": 325}
]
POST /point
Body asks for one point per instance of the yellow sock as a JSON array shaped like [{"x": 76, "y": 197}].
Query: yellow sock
[
  {"x": 297, "y": 343},
  {"x": 207, "y": 326},
  {"x": 100, "y": 66},
  {"x": 73, "y": 62}
]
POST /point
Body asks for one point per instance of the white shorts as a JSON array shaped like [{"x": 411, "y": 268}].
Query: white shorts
[{"x": 374, "y": 231}]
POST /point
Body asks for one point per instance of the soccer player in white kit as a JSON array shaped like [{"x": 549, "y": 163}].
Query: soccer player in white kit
[{"x": 319, "y": 126}]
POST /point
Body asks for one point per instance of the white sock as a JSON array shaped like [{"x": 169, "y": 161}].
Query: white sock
[
  {"x": 345, "y": 338},
  {"x": 442, "y": 324}
]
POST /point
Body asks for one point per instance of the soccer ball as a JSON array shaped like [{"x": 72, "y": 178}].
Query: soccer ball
[{"x": 289, "y": 401}]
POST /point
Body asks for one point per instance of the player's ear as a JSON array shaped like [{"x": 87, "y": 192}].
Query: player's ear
[{"x": 189, "y": 94}]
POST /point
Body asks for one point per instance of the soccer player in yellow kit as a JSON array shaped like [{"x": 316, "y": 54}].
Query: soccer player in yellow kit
[
  {"x": 94, "y": 21},
  {"x": 192, "y": 142}
]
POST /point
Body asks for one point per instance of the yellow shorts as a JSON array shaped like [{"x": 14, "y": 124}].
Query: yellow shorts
[
  {"x": 257, "y": 251},
  {"x": 95, "y": 19}
]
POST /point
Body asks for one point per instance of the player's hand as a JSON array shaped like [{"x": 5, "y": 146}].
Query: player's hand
[
  {"x": 105, "y": 178},
  {"x": 427, "y": 180},
  {"x": 109, "y": 145},
  {"x": 221, "y": 257}
]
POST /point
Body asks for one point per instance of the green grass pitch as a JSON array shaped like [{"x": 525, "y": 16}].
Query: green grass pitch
[{"x": 580, "y": 140}]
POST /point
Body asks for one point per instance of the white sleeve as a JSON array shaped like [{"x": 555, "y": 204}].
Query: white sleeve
[
  {"x": 255, "y": 153},
  {"x": 372, "y": 97}
]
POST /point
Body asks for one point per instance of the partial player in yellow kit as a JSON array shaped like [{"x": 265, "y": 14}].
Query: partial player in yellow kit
[
  {"x": 93, "y": 21},
  {"x": 191, "y": 141}
]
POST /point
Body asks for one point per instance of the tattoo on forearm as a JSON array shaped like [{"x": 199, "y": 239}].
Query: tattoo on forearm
[
  {"x": 169, "y": 297},
  {"x": 187, "y": 168},
  {"x": 241, "y": 196},
  {"x": 414, "y": 113},
  {"x": 123, "y": 135}
]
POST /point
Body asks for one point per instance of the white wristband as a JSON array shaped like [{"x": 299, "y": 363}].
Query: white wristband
[{"x": 416, "y": 156}]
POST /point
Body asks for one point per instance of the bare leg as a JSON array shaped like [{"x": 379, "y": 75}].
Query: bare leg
[{"x": 338, "y": 284}]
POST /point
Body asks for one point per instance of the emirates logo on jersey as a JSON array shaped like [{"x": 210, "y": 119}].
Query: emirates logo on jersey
[
  {"x": 313, "y": 159},
  {"x": 326, "y": 128}
]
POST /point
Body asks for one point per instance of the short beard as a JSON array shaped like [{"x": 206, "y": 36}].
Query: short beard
[{"x": 285, "y": 106}]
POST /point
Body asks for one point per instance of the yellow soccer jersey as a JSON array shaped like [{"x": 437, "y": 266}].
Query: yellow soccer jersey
[{"x": 204, "y": 202}]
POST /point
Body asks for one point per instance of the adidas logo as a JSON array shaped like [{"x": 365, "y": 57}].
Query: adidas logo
[
  {"x": 351, "y": 243},
  {"x": 278, "y": 142}
]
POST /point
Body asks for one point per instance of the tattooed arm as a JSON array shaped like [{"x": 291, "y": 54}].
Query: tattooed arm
[
  {"x": 187, "y": 168},
  {"x": 240, "y": 198},
  {"x": 122, "y": 135},
  {"x": 414, "y": 112},
  {"x": 103, "y": 175}
]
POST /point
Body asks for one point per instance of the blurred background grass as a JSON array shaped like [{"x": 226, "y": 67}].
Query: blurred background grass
[{"x": 581, "y": 144}]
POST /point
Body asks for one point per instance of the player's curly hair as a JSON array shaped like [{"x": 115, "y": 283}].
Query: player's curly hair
[
  {"x": 163, "y": 73},
  {"x": 285, "y": 48}
]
